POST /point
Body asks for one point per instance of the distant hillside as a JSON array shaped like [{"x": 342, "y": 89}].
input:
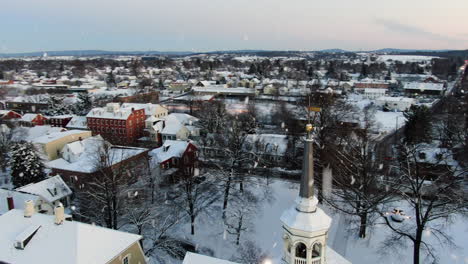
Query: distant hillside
[
  {"x": 87, "y": 53},
  {"x": 270, "y": 53}
]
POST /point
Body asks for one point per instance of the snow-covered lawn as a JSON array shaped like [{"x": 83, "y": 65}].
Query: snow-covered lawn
[
  {"x": 266, "y": 233},
  {"x": 389, "y": 121}
]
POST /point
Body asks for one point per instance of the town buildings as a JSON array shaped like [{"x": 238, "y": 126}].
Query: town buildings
[
  {"x": 45, "y": 195},
  {"x": 81, "y": 161},
  {"x": 33, "y": 120},
  {"x": 117, "y": 125},
  {"x": 25, "y": 107},
  {"x": 51, "y": 144},
  {"x": 395, "y": 103}
]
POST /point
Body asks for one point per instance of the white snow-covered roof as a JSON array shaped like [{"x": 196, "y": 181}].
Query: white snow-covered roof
[
  {"x": 150, "y": 109},
  {"x": 170, "y": 149},
  {"x": 374, "y": 90},
  {"x": 79, "y": 122},
  {"x": 69, "y": 242},
  {"x": 58, "y": 135},
  {"x": 184, "y": 119},
  {"x": 396, "y": 99},
  {"x": 87, "y": 161},
  {"x": 308, "y": 222},
  {"x": 28, "y": 117},
  {"x": 31, "y": 133},
  {"x": 193, "y": 258},
  {"x": 424, "y": 86},
  {"x": 51, "y": 189},
  {"x": 223, "y": 90},
  {"x": 172, "y": 127},
  {"x": 19, "y": 198},
  {"x": 122, "y": 114},
  {"x": 334, "y": 258},
  {"x": 175, "y": 122}
]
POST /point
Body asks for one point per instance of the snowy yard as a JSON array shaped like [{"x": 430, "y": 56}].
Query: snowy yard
[{"x": 266, "y": 233}]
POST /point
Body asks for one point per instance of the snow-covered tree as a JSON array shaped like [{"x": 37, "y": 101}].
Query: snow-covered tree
[
  {"x": 56, "y": 106},
  {"x": 26, "y": 165},
  {"x": 84, "y": 104}
]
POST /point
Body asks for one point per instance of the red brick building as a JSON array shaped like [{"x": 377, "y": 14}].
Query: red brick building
[
  {"x": 8, "y": 115},
  {"x": 59, "y": 121},
  {"x": 116, "y": 125},
  {"x": 33, "y": 120}
]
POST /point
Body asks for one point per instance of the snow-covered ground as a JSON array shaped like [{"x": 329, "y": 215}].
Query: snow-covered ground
[
  {"x": 405, "y": 58},
  {"x": 266, "y": 233},
  {"x": 389, "y": 121}
]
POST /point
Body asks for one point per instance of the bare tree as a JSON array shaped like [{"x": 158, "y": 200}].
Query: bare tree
[
  {"x": 195, "y": 193},
  {"x": 238, "y": 216},
  {"x": 432, "y": 188},
  {"x": 357, "y": 190},
  {"x": 104, "y": 199}
]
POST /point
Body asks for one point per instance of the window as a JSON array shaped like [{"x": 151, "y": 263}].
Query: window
[{"x": 126, "y": 259}]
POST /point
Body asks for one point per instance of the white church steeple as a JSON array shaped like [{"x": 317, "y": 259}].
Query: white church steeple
[{"x": 305, "y": 225}]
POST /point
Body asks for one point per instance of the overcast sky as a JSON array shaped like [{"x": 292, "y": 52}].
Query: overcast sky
[{"x": 203, "y": 25}]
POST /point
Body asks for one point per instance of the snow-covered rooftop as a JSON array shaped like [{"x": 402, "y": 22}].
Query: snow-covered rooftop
[
  {"x": 111, "y": 111},
  {"x": 51, "y": 189},
  {"x": 86, "y": 160},
  {"x": 396, "y": 99},
  {"x": 193, "y": 258},
  {"x": 424, "y": 86},
  {"x": 28, "y": 117},
  {"x": 170, "y": 149},
  {"x": 79, "y": 122},
  {"x": 223, "y": 90},
  {"x": 19, "y": 198},
  {"x": 69, "y": 242},
  {"x": 58, "y": 135},
  {"x": 150, "y": 109}
]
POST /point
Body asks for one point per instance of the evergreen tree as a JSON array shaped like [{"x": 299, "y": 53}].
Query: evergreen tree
[
  {"x": 418, "y": 125},
  {"x": 253, "y": 69},
  {"x": 364, "y": 71},
  {"x": 110, "y": 79},
  {"x": 55, "y": 106},
  {"x": 26, "y": 165},
  {"x": 84, "y": 104},
  {"x": 1, "y": 75}
]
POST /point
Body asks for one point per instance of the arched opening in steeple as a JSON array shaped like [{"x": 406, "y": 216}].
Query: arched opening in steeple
[
  {"x": 316, "y": 253},
  {"x": 301, "y": 250}
]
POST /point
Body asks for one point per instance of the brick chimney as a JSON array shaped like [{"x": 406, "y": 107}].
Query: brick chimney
[{"x": 11, "y": 203}]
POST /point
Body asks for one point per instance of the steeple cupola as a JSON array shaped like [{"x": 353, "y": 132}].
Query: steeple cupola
[{"x": 305, "y": 225}]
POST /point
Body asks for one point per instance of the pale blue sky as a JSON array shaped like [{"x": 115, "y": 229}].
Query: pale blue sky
[{"x": 201, "y": 25}]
